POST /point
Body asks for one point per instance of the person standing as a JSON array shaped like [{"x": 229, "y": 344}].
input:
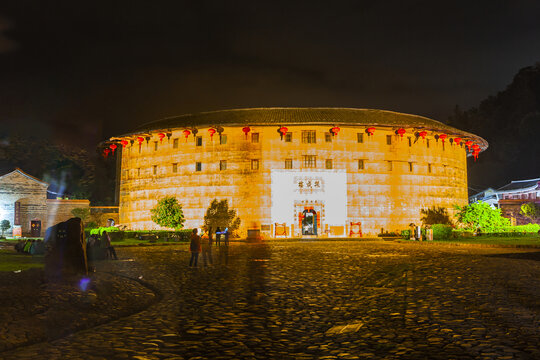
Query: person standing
[
  {"x": 226, "y": 236},
  {"x": 207, "y": 248},
  {"x": 218, "y": 236},
  {"x": 106, "y": 243},
  {"x": 195, "y": 248}
]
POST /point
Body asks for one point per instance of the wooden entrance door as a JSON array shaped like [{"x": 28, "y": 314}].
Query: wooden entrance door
[{"x": 35, "y": 228}]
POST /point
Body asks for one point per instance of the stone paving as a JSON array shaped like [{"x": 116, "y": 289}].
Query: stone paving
[{"x": 321, "y": 300}]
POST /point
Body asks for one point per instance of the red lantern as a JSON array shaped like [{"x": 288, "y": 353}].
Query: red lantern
[
  {"x": 113, "y": 147},
  {"x": 140, "y": 140},
  {"x": 106, "y": 153},
  {"x": 124, "y": 143},
  {"x": 161, "y": 136},
  {"x": 246, "y": 130},
  {"x": 401, "y": 132},
  {"x": 423, "y": 134},
  {"x": 212, "y": 132},
  {"x": 443, "y": 137},
  {"x": 457, "y": 140},
  {"x": 335, "y": 130},
  {"x": 186, "y": 133},
  {"x": 370, "y": 131},
  {"x": 283, "y": 130},
  {"x": 469, "y": 144}
]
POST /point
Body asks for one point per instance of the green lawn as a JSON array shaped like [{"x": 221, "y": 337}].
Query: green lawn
[
  {"x": 495, "y": 240},
  {"x": 13, "y": 261}
]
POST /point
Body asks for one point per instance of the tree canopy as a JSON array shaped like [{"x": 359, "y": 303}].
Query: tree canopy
[
  {"x": 168, "y": 213},
  {"x": 218, "y": 214},
  {"x": 4, "y": 225},
  {"x": 530, "y": 210},
  {"x": 480, "y": 216}
]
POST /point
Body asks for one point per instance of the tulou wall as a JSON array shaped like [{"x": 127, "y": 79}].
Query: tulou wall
[{"x": 380, "y": 181}]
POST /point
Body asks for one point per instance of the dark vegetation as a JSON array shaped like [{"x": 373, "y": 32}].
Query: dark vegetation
[{"x": 510, "y": 122}]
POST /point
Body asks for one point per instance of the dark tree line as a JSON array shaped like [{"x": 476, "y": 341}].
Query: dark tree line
[{"x": 510, "y": 122}]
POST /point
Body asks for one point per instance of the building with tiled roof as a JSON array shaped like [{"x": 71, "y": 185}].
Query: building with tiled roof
[{"x": 295, "y": 171}]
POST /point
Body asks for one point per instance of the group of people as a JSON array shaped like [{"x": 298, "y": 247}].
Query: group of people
[
  {"x": 32, "y": 247},
  {"x": 203, "y": 243},
  {"x": 100, "y": 248}
]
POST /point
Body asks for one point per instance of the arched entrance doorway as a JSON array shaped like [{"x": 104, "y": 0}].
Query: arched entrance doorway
[{"x": 309, "y": 222}]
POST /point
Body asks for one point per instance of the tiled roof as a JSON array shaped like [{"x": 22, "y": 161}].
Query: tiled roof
[
  {"x": 519, "y": 184},
  {"x": 298, "y": 116}
]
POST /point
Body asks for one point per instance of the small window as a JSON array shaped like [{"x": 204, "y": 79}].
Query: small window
[
  {"x": 222, "y": 139},
  {"x": 388, "y": 139},
  {"x": 429, "y": 168},
  {"x": 155, "y": 145},
  {"x": 288, "y": 163},
  {"x": 410, "y": 141},
  {"x": 328, "y": 164},
  {"x": 327, "y": 137},
  {"x": 310, "y": 161},
  {"x": 361, "y": 164},
  {"x": 175, "y": 143},
  {"x": 410, "y": 167},
  {"x": 288, "y": 137},
  {"x": 254, "y": 164},
  {"x": 198, "y": 166},
  {"x": 223, "y": 165},
  {"x": 360, "y": 138},
  {"x": 175, "y": 167},
  {"x": 427, "y": 143},
  {"x": 389, "y": 165},
  {"x": 199, "y": 140},
  {"x": 154, "y": 170},
  {"x": 254, "y": 138},
  {"x": 309, "y": 137}
]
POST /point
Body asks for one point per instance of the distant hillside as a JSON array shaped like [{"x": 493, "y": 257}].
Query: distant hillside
[{"x": 510, "y": 122}]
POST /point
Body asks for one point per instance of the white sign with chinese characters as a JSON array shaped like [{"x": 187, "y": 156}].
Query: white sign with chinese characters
[{"x": 328, "y": 187}]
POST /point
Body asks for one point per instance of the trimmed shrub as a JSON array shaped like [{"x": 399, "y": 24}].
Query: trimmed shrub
[
  {"x": 441, "y": 231},
  {"x": 100, "y": 230},
  {"x": 406, "y": 234}
]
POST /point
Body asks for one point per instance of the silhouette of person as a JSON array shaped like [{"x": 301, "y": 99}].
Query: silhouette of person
[
  {"x": 218, "y": 236},
  {"x": 195, "y": 248}
]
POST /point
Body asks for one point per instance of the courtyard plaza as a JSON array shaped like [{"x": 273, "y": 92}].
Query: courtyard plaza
[{"x": 317, "y": 300}]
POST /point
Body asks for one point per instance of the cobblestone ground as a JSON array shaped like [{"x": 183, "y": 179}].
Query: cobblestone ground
[{"x": 322, "y": 300}]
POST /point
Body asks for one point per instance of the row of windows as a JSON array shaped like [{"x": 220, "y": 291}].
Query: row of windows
[
  {"x": 308, "y": 137},
  {"x": 308, "y": 161}
]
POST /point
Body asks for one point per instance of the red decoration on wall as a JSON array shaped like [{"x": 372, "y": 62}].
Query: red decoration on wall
[
  {"x": 443, "y": 137},
  {"x": 457, "y": 140},
  {"x": 113, "y": 147},
  {"x": 469, "y": 144},
  {"x": 335, "y": 130},
  {"x": 124, "y": 143},
  {"x": 140, "y": 140},
  {"x": 212, "y": 132},
  {"x": 370, "y": 131},
  {"x": 161, "y": 136},
  {"x": 423, "y": 134},
  {"x": 186, "y": 133},
  {"x": 401, "y": 132},
  {"x": 246, "y": 130},
  {"x": 106, "y": 152}
]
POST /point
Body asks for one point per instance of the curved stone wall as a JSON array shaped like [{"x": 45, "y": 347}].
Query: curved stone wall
[{"x": 380, "y": 181}]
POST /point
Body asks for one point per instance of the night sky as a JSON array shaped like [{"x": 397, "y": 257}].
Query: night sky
[{"x": 80, "y": 71}]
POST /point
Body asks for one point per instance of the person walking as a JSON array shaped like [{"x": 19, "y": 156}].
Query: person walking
[
  {"x": 106, "y": 243},
  {"x": 218, "y": 236},
  {"x": 195, "y": 248}
]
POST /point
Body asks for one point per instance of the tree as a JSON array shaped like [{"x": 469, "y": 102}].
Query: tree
[
  {"x": 435, "y": 215},
  {"x": 530, "y": 210},
  {"x": 218, "y": 214},
  {"x": 479, "y": 216},
  {"x": 4, "y": 225},
  {"x": 82, "y": 213},
  {"x": 168, "y": 213}
]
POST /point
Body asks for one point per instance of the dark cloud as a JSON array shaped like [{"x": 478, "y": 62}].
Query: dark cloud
[{"x": 94, "y": 69}]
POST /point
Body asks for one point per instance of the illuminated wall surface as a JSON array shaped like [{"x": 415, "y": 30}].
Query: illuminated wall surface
[{"x": 278, "y": 182}]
